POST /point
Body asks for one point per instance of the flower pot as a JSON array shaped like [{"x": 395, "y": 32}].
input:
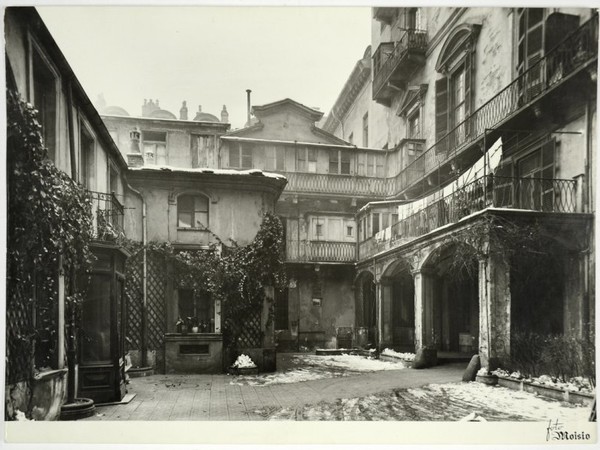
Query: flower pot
[
  {"x": 194, "y": 329},
  {"x": 243, "y": 370},
  {"x": 490, "y": 380}
]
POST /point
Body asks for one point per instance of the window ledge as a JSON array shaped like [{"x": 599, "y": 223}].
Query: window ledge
[{"x": 191, "y": 229}]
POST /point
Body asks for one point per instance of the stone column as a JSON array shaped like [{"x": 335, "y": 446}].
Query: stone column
[
  {"x": 424, "y": 324},
  {"x": 494, "y": 311},
  {"x": 379, "y": 302},
  {"x": 386, "y": 315}
]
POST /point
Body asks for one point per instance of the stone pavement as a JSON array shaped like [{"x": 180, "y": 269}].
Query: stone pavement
[{"x": 212, "y": 397}]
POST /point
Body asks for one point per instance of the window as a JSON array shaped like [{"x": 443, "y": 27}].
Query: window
[
  {"x": 196, "y": 307},
  {"x": 375, "y": 165},
  {"x": 365, "y": 127},
  {"x": 240, "y": 156},
  {"x": 274, "y": 158},
  {"x": 155, "y": 147},
  {"x": 44, "y": 99},
  {"x": 203, "y": 147},
  {"x": 339, "y": 162},
  {"x": 375, "y": 223},
  {"x": 349, "y": 231},
  {"x": 537, "y": 166},
  {"x": 414, "y": 124},
  {"x": 453, "y": 91},
  {"x": 319, "y": 231},
  {"x": 192, "y": 211},
  {"x": 307, "y": 160},
  {"x": 413, "y": 19},
  {"x": 86, "y": 164}
]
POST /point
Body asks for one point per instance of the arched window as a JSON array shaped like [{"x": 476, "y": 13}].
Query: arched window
[
  {"x": 192, "y": 211},
  {"x": 454, "y": 90}
]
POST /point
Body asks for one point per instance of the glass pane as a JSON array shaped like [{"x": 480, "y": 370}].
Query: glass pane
[
  {"x": 184, "y": 219},
  {"x": 95, "y": 321},
  {"x": 201, "y": 204},
  {"x": 201, "y": 220},
  {"x": 185, "y": 203}
]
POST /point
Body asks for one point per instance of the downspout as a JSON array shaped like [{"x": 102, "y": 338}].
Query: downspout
[
  {"x": 144, "y": 349},
  {"x": 71, "y": 352}
]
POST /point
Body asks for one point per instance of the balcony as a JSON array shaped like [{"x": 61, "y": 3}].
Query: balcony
[
  {"x": 346, "y": 185},
  {"x": 532, "y": 194},
  {"x": 108, "y": 217},
  {"x": 320, "y": 251},
  {"x": 519, "y": 103},
  {"x": 395, "y": 62}
]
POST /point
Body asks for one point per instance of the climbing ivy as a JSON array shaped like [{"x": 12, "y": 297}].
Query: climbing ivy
[
  {"x": 236, "y": 275},
  {"x": 49, "y": 220}
]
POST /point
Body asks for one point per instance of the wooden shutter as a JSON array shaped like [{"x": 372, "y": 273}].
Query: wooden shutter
[
  {"x": 441, "y": 112},
  {"x": 468, "y": 91}
]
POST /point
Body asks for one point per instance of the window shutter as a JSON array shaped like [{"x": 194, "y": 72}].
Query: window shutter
[
  {"x": 194, "y": 150},
  {"x": 468, "y": 90},
  {"x": 441, "y": 111}
]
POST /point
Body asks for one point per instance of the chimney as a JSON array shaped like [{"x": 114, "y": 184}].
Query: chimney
[
  {"x": 183, "y": 112},
  {"x": 135, "y": 157},
  {"x": 224, "y": 115},
  {"x": 199, "y": 108},
  {"x": 248, "y": 91}
]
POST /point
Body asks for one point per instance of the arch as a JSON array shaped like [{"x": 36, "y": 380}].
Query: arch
[
  {"x": 461, "y": 39},
  {"x": 394, "y": 266}
]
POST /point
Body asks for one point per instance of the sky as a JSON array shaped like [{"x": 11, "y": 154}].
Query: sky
[{"x": 209, "y": 56}]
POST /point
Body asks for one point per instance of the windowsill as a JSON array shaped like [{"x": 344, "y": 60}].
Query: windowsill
[{"x": 191, "y": 229}]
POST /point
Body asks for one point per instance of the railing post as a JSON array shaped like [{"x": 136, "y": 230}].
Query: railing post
[{"x": 576, "y": 197}]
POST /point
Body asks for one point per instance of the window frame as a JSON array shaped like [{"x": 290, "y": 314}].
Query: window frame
[
  {"x": 193, "y": 211},
  {"x": 34, "y": 47},
  {"x": 244, "y": 156},
  {"x": 154, "y": 144}
]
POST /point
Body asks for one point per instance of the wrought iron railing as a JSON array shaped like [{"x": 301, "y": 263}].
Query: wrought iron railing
[
  {"x": 572, "y": 53},
  {"x": 320, "y": 251},
  {"x": 534, "y": 194},
  {"x": 336, "y": 184},
  {"x": 389, "y": 55},
  {"x": 108, "y": 214}
]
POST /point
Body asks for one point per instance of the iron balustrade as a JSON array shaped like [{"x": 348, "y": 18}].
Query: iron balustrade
[
  {"x": 336, "y": 184},
  {"x": 574, "y": 52},
  {"x": 389, "y": 55},
  {"x": 533, "y": 194},
  {"x": 108, "y": 214},
  {"x": 320, "y": 251}
]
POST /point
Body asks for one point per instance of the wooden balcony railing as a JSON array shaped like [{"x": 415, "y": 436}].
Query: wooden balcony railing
[
  {"x": 573, "y": 53},
  {"x": 108, "y": 214},
  {"x": 534, "y": 194},
  {"x": 336, "y": 184},
  {"x": 320, "y": 251},
  {"x": 391, "y": 56}
]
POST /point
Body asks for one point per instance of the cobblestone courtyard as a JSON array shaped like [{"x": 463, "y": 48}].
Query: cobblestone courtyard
[{"x": 389, "y": 394}]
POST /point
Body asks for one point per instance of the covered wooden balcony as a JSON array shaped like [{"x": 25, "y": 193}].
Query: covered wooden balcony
[
  {"x": 304, "y": 251},
  {"x": 394, "y": 62}
]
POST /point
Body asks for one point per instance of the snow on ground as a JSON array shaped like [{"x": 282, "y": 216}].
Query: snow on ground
[
  {"x": 405, "y": 356},
  {"x": 442, "y": 402},
  {"x": 313, "y": 367}
]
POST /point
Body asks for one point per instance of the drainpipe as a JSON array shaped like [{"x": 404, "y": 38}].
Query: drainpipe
[
  {"x": 71, "y": 352},
  {"x": 144, "y": 349},
  {"x": 248, "y": 107}
]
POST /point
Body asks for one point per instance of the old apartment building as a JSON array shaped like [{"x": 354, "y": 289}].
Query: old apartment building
[
  {"x": 446, "y": 204},
  {"x": 488, "y": 116}
]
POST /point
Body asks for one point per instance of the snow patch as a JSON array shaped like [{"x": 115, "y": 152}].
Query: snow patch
[{"x": 404, "y": 356}]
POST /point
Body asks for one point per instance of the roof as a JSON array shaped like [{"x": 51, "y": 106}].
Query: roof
[
  {"x": 162, "y": 114},
  {"x": 30, "y": 16},
  {"x": 209, "y": 171},
  {"x": 270, "y": 108},
  {"x": 359, "y": 76},
  {"x": 205, "y": 117},
  {"x": 344, "y": 145}
]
